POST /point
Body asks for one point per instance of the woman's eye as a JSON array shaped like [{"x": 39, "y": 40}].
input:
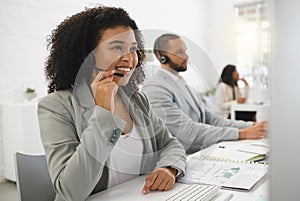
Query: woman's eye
[
  {"x": 117, "y": 48},
  {"x": 133, "y": 49}
]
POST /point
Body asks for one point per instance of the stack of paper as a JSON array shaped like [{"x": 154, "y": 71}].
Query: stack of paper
[
  {"x": 226, "y": 174},
  {"x": 228, "y": 164}
]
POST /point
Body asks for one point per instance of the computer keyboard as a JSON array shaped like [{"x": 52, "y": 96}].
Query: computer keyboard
[{"x": 195, "y": 192}]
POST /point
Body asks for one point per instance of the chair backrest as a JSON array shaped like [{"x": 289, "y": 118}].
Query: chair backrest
[{"x": 33, "y": 179}]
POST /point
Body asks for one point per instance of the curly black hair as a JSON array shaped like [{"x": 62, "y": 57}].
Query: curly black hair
[{"x": 77, "y": 36}]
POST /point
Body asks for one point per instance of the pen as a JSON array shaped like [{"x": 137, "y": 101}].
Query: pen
[
  {"x": 117, "y": 74},
  {"x": 249, "y": 152}
]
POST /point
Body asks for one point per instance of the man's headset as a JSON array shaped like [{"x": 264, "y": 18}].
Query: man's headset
[{"x": 164, "y": 59}]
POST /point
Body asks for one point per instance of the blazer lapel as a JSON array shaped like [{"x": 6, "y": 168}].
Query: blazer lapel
[
  {"x": 143, "y": 124},
  {"x": 183, "y": 93},
  {"x": 197, "y": 101},
  {"x": 132, "y": 103},
  {"x": 83, "y": 105}
]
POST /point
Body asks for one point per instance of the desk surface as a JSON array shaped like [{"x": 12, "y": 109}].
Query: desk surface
[
  {"x": 262, "y": 110},
  {"x": 248, "y": 106},
  {"x": 131, "y": 190}
]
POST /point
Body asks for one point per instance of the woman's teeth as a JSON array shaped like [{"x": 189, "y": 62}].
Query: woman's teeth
[{"x": 123, "y": 69}]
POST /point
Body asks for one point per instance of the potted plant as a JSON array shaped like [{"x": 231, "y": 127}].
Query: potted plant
[
  {"x": 207, "y": 97},
  {"x": 29, "y": 93}
]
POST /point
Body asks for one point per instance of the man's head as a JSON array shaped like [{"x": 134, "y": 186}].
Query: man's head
[{"x": 170, "y": 50}]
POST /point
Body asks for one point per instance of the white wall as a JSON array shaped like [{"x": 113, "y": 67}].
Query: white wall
[
  {"x": 26, "y": 23},
  {"x": 221, "y": 29},
  {"x": 24, "y": 27},
  {"x": 188, "y": 18},
  {"x": 285, "y": 135}
]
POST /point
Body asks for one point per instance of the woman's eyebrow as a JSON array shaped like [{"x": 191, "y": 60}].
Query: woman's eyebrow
[
  {"x": 116, "y": 41},
  {"x": 120, "y": 42}
]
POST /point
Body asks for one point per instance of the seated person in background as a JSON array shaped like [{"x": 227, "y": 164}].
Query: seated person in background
[
  {"x": 96, "y": 128},
  {"x": 228, "y": 92},
  {"x": 182, "y": 109}
]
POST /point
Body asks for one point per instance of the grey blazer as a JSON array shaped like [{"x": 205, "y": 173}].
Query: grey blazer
[
  {"x": 78, "y": 137},
  {"x": 185, "y": 116}
]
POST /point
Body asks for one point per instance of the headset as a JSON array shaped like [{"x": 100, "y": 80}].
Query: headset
[{"x": 164, "y": 59}]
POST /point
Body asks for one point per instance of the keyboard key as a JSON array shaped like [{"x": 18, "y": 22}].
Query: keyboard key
[{"x": 195, "y": 192}]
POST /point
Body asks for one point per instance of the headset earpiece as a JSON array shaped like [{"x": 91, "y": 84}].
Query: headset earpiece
[{"x": 164, "y": 59}]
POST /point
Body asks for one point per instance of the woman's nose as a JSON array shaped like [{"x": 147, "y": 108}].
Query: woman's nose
[{"x": 127, "y": 56}]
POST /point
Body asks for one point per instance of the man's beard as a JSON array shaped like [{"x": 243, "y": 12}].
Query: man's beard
[{"x": 177, "y": 67}]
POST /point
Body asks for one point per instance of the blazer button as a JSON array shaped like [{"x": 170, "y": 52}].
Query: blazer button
[
  {"x": 117, "y": 133},
  {"x": 115, "y": 136},
  {"x": 112, "y": 140}
]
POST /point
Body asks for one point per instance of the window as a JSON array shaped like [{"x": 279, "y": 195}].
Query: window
[{"x": 253, "y": 42}]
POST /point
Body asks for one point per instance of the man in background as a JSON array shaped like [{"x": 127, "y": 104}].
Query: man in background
[{"x": 181, "y": 107}]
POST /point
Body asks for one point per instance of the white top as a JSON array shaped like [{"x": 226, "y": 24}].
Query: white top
[
  {"x": 125, "y": 159},
  {"x": 223, "y": 98}
]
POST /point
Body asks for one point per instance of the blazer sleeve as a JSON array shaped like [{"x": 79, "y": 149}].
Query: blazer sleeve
[
  {"x": 75, "y": 165},
  {"x": 213, "y": 119},
  {"x": 171, "y": 151},
  {"x": 193, "y": 135}
]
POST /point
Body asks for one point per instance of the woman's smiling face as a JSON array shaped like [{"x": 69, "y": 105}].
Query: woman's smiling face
[{"x": 116, "y": 50}]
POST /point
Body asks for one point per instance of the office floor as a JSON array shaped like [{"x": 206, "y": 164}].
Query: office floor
[{"x": 8, "y": 191}]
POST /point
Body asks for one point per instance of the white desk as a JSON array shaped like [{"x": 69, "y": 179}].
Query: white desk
[
  {"x": 262, "y": 110},
  {"x": 131, "y": 190},
  {"x": 134, "y": 187}
]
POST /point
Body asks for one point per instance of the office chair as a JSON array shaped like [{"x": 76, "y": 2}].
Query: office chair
[{"x": 33, "y": 179}]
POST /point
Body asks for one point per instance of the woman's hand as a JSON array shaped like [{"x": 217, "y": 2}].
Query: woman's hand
[
  {"x": 161, "y": 179},
  {"x": 257, "y": 131},
  {"x": 241, "y": 100},
  {"x": 104, "y": 89},
  {"x": 245, "y": 81}
]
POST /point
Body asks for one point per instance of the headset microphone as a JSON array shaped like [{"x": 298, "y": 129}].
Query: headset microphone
[{"x": 164, "y": 59}]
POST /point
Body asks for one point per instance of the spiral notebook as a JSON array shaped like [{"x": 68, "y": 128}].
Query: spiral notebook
[{"x": 244, "y": 151}]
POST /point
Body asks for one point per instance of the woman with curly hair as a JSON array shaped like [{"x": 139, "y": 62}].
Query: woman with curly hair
[{"x": 97, "y": 129}]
